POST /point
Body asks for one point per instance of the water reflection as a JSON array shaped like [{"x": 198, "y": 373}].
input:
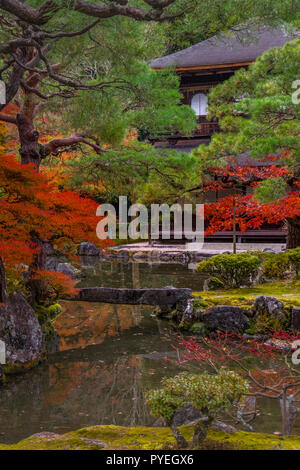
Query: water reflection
[
  {"x": 132, "y": 274},
  {"x": 110, "y": 354}
]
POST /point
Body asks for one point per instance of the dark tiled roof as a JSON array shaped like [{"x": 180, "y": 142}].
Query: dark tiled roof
[{"x": 223, "y": 49}]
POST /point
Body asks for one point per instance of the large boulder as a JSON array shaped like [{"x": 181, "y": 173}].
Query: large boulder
[
  {"x": 20, "y": 331},
  {"x": 88, "y": 249},
  {"x": 269, "y": 306},
  {"x": 226, "y": 318}
]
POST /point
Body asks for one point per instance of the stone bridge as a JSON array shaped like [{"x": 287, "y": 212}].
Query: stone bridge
[{"x": 165, "y": 297}]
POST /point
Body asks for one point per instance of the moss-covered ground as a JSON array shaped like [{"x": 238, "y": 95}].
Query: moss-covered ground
[
  {"x": 288, "y": 292},
  {"x": 146, "y": 438}
]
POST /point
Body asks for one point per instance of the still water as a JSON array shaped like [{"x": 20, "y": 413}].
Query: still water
[{"x": 110, "y": 355}]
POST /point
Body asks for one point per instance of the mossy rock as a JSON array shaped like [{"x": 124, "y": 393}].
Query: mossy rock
[
  {"x": 47, "y": 313},
  {"x": 198, "y": 328},
  {"x": 147, "y": 438}
]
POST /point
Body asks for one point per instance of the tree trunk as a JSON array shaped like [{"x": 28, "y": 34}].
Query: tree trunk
[
  {"x": 200, "y": 430},
  {"x": 293, "y": 236},
  {"x": 181, "y": 442},
  {"x": 30, "y": 151},
  {"x": 36, "y": 286},
  {"x": 288, "y": 412}
]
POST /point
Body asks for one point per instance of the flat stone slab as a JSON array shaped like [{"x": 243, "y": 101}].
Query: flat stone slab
[{"x": 158, "y": 297}]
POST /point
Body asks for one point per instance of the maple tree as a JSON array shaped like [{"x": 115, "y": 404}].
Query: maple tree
[
  {"x": 241, "y": 210},
  {"x": 34, "y": 212}
]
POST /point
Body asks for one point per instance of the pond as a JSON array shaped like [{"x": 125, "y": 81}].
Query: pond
[{"x": 110, "y": 355}]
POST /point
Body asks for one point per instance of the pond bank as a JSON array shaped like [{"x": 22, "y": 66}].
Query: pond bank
[
  {"x": 180, "y": 252},
  {"x": 147, "y": 438}
]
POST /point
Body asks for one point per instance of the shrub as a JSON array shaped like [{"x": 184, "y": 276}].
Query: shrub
[
  {"x": 264, "y": 324},
  {"x": 214, "y": 283},
  {"x": 276, "y": 266},
  {"x": 208, "y": 393},
  {"x": 232, "y": 270},
  {"x": 294, "y": 259}
]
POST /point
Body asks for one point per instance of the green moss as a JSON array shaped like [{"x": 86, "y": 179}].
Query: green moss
[
  {"x": 198, "y": 328},
  {"x": 46, "y": 317},
  {"x": 146, "y": 438},
  {"x": 13, "y": 369},
  {"x": 287, "y": 292}
]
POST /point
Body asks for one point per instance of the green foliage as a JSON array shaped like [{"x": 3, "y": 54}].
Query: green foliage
[
  {"x": 208, "y": 393},
  {"x": 208, "y": 17},
  {"x": 233, "y": 270},
  {"x": 276, "y": 266},
  {"x": 294, "y": 259},
  {"x": 46, "y": 314},
  {"x": 198, "y": 329},
  {"x": 270, "y": 190},
  {"x": 147, "y": 175},
  {"x": 257, "y": 114},
  {"x": 265, "y": 324},
  {"x": 164, "y": 404},
  {"x": 214, "y": 283}
]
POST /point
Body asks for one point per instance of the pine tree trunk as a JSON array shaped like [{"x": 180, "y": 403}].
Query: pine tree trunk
[
  {"x": 293, "y": 236},
  {"x": 28, "y": 135}
]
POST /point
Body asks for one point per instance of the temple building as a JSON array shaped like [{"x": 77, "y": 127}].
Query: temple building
[
  {"x": 203, "y": 66},
  {"x": 207, "y": 64}
]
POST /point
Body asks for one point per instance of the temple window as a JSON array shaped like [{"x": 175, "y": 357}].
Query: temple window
[{"x": 199, "y": 104}]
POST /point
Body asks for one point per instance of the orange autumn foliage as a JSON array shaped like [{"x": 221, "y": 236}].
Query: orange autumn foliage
[
  {"x": 55, "y": 284},
  {"x": 32, "y": 208}
]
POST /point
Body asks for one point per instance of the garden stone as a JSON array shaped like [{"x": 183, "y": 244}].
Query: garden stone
[
  {"x": 66, "y": 268},
  {"x": 51, "y": 263},
  {"x": 269, "y": 250},
  {"x": 20, "y": 331},
  {"x": 88, "y": 249},
  {"x": 226, "y": 318},
  {"x": 270, "y": 306},
  {"x": 141, "y": 255},
  {"x": 181, "y": 258}
]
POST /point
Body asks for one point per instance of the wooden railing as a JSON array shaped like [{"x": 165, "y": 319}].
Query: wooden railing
[{"x": 206, "y": 128}]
